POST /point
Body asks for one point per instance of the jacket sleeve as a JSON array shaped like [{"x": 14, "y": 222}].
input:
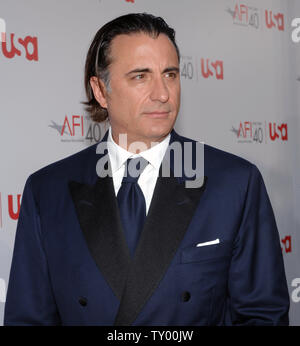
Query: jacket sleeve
[
  {"x": 258, "y": 293},
  {"x": 30, "y": 299}
]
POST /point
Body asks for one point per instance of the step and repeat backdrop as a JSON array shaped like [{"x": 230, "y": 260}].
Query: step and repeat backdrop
[{"x": 240, "y": 74}]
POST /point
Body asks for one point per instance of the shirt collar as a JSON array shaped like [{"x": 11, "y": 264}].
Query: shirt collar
[{"x": 118, "y": 156}]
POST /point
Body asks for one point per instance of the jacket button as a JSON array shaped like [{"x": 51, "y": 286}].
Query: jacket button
[
  {"x": 82, "y": 301},
  {"x": 185, "y": 296}
]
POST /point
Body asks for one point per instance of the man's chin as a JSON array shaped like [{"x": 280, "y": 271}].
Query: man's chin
[
  {"x": 159, "y": 130},
  {"x": 157, "y": 135}
]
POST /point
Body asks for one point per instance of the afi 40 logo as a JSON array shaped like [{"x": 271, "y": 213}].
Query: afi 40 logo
[
  {"x": 259, "y": 132},
  {"x": 78, "y": 128},
  {"x": 245, "y": 15},
  {"x": 250, "y": 131}
]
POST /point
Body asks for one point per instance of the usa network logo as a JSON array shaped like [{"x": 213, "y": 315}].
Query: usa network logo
[
  {"x": 245, "y": 15},
  {"x": 286, "y": 242},
  {"x": 9, "y": 205},
  {"x": 12, "y": 45},
  {"x": 194, "y": 69},
  {"x": 78, "y": 128},
  {"x": 260, "y": 132}
]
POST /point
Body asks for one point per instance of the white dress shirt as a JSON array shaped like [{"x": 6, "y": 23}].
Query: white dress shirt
[{"x": 147, "y": 180}]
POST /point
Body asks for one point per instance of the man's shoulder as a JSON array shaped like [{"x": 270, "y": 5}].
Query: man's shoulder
[
  {"x": 218, "y": 157},
  {"x": 222, "y": 165},
  {"x": 72, "y": 167}
]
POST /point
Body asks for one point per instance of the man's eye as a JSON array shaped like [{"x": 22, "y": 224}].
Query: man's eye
[
  {"x": 171, "y": 75},
  {"x": 139, "y": 76}
]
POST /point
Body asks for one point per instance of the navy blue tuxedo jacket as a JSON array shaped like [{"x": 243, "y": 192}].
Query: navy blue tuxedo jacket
[{"x": 71, "y": 264}]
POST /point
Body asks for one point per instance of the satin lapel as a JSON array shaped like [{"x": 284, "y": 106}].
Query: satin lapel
[
  {"x": 98, "y": 216},
  {"x": 170, "y": 213}
]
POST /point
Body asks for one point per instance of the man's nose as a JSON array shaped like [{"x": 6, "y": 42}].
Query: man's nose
[{"x": 159, "y": 90}]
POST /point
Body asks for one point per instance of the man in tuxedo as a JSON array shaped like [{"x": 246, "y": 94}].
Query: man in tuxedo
[{"x": 106, "y": 237}]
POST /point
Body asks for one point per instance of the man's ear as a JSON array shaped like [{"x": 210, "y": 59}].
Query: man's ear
[{"x": 99, "y": 91}]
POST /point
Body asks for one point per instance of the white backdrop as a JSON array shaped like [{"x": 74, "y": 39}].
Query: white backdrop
[{"x": 240, "y": 92}]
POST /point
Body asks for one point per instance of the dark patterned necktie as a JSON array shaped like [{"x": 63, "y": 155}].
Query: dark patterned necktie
[{"x": 131, "y": 202}]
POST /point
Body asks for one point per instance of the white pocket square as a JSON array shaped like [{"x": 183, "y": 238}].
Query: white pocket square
[{"x": 212, "y": 242}]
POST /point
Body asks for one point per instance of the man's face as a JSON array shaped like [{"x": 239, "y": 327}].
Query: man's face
[{"x": 145, "y": 87}]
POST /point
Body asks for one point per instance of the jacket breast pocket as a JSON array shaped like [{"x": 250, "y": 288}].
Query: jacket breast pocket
[{"x": 207, "y": 253}]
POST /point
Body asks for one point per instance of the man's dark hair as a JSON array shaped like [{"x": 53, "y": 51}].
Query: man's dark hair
[{"x": 98, "y": 57}]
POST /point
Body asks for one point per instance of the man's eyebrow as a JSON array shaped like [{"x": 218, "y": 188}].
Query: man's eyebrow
[
  {"x": 171, "y": 69},
  {"x": 138, "y": 70},
  {"x": 147, "y": 70}
]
